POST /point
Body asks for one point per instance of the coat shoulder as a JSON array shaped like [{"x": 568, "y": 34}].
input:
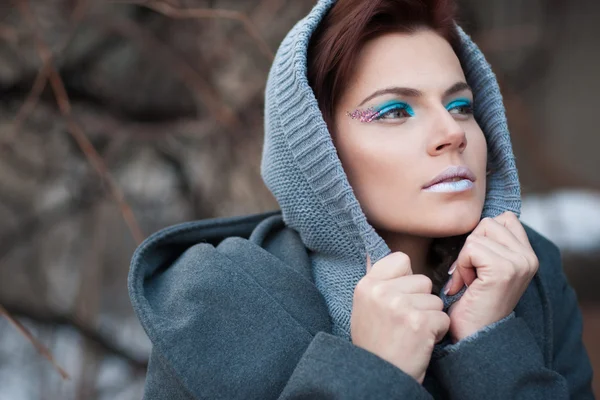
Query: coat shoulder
[{"x": 550, "y": 261}]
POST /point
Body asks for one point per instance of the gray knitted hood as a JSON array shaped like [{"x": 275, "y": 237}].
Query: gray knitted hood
[{"x": 302, "y": 169}]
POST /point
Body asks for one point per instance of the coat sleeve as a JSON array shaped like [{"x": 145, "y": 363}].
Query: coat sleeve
[
  {"x": 235, "y": 323},
  {"x": 330, "y": 368},
  {"x": 161, "y": 381},
  {"x": 506, "y": 362},
  {"x": 570, "y": 358},
  {"x": 333, "y": 368}
]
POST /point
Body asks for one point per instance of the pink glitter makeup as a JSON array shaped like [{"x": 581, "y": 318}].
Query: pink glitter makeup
[{"x": 367, "y": 115}]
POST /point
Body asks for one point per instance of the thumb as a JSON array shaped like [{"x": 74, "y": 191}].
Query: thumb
[
  {"x": 459, "y": 278},
  {"x": 455, "y": 283}
]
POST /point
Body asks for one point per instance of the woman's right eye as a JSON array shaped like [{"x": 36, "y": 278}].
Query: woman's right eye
[
  {"x": 394, "y": 111},
  {"x": 394, "y": 114}
]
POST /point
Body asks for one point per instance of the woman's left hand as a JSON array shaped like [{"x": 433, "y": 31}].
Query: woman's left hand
[{"x": 497, "y": 264}]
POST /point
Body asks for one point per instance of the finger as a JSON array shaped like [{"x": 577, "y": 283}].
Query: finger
[
  {"x": 440, "y": 323},
  {"x": 392, "y": 266},
  {"x": 494, "y": 229},
  {"x": 414, "y": 284},
  {"x": 453, "y": 285},
  {"x": 478, "y": 258},
  {"x": 458, "y": 279},
  {"x": 410, "y": 284},
  {"x": 503, "y": 251},
  {"x": 426, "y": 302},
  {"x": 510, "y": 221}
]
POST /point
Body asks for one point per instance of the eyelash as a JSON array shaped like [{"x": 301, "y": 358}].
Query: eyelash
[
  {"x": 371, "y": 114},
  {"x": 463, "y": 104},
  {"x": 387, "y": 110}
]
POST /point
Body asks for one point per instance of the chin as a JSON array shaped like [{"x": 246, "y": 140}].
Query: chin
[
  {"x": 437, "y": 220},
  {"x": 434, "y": 225},
  {"x": 445, "y": 223},
  {"x": 454, "y": 228}
]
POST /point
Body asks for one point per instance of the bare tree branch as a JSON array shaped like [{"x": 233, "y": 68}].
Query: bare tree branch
[
  {"x": 200, "y": 13},
  {"x": 29, "y": 105},
  {"x": 209, "y": 98},
  {"x": 48, "y": 317},
  {"x": 33, "y": 225},
  {"x": 75, "y": 129},
  {"x": 39, "y": 347},
  {"x": 42, "y": 79}
]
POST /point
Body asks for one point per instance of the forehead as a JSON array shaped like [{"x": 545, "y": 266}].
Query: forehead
[{"x": 422, "y": 60}]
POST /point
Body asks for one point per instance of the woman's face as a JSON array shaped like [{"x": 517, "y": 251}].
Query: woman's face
[{"x": 405, "y": 117}]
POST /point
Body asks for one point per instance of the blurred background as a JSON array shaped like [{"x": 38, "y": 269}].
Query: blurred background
[{"x": 118, "y": 118}]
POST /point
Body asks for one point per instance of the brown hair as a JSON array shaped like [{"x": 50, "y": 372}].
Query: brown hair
[
  {"x": 337, "y": 41},
  {"x": 335, "y": 46}
]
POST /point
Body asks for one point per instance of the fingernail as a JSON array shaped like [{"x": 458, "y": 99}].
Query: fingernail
[
  {"x": 447, "y": 286},
  {"x": 452, "y": 268}
]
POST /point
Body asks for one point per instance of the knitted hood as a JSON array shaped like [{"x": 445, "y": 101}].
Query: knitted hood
[{"x": 301, "y": 167}]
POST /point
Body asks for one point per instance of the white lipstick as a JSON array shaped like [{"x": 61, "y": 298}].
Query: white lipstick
[
  {"x": 455, "y": 178},
  {"x": 450, "y": 187}
]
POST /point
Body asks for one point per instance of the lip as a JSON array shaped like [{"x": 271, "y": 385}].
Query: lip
[{"x": 454, "y": 171}]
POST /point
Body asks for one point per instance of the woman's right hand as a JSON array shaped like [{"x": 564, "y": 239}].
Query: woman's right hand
[{"x": 395, "y": 316}]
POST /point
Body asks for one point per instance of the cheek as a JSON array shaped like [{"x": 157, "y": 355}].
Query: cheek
[
  {"x": 477, "y": 159},
  {"x": 371, "y": 161},
  {"x": 380, "y": 169},
  {"x": 478, "y": 151},
  {"x": 359, "y": 158}
]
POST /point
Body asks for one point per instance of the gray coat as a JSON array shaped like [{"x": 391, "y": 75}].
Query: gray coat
[{"x": 233, "y": 313}]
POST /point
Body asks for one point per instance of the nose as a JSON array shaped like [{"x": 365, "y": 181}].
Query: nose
[{"x": 449, "y": 135}]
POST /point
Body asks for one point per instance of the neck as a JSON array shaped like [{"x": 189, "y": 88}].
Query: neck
[{"x": 415, "y": 247}]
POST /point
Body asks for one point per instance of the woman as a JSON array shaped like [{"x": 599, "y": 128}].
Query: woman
[{"x": 387, "y": 149}]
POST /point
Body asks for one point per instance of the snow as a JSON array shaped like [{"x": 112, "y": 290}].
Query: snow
[{"x": 570, "y": 218}]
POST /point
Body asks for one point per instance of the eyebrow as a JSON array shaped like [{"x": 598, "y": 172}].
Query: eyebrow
[{"x": 409, "y": 92}]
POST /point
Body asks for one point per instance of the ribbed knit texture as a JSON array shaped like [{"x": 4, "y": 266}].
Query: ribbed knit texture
[{"x": 301, "y": 167}]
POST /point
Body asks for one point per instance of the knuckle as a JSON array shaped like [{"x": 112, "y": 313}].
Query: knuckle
[
  {"x": 470, "y": 244},
  {"x": 472, "y": 240},
  {"x": 535, "y": 265},
  {"x": 377, "y": 291},
  {"x": 445, "y": 320},
  {"x": 400, "y": 257},
  {"x": 438, "y": 303},
  {"x": 424, "y": 282},
  {"x": 399, "y": 262},
  {"x": 509, "y": 266},
  {"x": 363, "y": 288},
  {"x": 533, "y": 261},
  {"x": 506, "y": 278},
  {"x": 402, "y": 260},
  {"x": 527, "y": 266},
  {"x": 522, "y": 273},
  {"x": 524, "y": 260},
  {"x": 414, "y": 320},
  {"x": 487, "y": 221},
  {"x": 429, "y": 341},
  {"x": 396, "y": 304}
]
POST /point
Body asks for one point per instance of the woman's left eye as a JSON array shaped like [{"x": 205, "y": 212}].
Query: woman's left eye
[
  {"x": 460, "y": 107},
  {"x": 461, "y": 110}
]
